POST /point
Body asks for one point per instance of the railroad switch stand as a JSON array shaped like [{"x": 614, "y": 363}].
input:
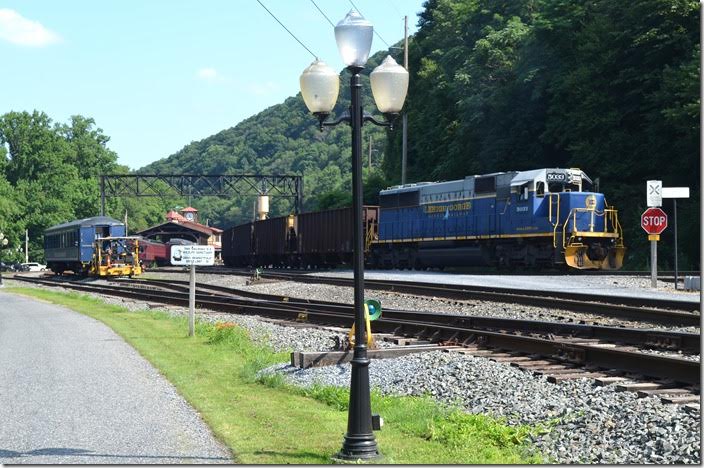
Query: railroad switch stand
[{"x": 372, "y": 311}]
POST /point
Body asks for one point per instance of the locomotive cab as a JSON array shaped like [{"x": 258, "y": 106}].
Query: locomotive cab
[{"x": 585, "y": 228}]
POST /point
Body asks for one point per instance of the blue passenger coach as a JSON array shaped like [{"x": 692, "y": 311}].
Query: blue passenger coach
[
  {"x": 547, "y": 217},
  {"x": 71, "y": 246}
]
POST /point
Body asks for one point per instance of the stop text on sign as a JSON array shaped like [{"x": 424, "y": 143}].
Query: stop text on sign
[{"x": 653, "y": 221}]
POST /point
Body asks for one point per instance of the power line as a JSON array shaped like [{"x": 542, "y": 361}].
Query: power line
[
  {"x": 375, "y": 31},
  {"x": 287, "y": 30},
  {"x": 392, "y": 4},
  {"x": 321, "y": 12}
]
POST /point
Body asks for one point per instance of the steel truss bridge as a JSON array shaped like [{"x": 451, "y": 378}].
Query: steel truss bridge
[{"x": 160, "y": 185}]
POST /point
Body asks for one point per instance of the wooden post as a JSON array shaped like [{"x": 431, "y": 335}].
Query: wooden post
[
  {"x": 674, "y": 203},
  {"x": 192, "y": 303},
  {"x": 404, "y": 136},
  {"x": 370, "y": 152}
]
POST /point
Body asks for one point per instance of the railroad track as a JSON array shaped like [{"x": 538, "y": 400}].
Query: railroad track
[
  {"x": 664, "y": 275},
  {"x": 652, "y": 310},
  {"x": 559, "y": 349}
]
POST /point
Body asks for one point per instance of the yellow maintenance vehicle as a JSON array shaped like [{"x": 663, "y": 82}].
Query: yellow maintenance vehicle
[{"x": 115, "y": 256}]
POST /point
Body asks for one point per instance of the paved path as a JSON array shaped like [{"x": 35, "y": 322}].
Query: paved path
[{"x": 72, "y": 391}]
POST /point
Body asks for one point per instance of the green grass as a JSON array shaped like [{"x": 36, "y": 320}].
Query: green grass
[{"x": 265, "y": 421}]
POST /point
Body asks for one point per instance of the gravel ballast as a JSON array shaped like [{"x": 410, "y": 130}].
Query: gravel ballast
[
  {"x": 588, "y": 423},
  {"x": 393, "y": 300}
]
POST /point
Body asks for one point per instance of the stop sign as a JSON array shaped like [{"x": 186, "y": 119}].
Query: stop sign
[{"x": 653, "y": 220}]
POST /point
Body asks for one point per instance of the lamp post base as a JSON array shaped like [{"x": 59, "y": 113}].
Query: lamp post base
[
  {"x": 358, "y": 447},
  {"x": 338, "y": 460},
  {"x": 359, "y": 443}
]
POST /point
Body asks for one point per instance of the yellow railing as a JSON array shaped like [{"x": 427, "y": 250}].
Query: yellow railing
[
  {"x": 557, "y": 217},
  {"x": 371, "y": 235},
  {"x": 609, "y": 215}
]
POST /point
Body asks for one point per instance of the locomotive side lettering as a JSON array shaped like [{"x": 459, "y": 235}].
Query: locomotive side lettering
[{"x": 443, "y": 208}]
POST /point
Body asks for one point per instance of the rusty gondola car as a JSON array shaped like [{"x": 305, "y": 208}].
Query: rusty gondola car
[{"x": 308, "y": 240}]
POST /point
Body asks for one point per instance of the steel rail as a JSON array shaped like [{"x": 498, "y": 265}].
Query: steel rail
[
  {"x": 661, "y": 339},
  {"x": 649, "y": 365},
  {"x": 662, "y": 275},
  {"x": 464, "y": 292},
  {"x": 653, "y": 310}
]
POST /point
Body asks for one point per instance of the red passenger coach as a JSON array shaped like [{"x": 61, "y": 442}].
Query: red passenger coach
[{"x": 153, "y": 253}]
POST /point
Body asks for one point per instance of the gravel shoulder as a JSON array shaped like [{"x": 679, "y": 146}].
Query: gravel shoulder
[
  {"x": 599, "y": 285},
  {"x": 73, "y": 392}
]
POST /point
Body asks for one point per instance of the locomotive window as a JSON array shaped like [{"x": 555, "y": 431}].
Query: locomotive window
[
  {"x": 572, "y": 188},
  {"x": 540, "y": 189},
  {"x": 556, "y": 187},
  {"x": 586, "y": 186},
  {"x": 523, "y": 192}
]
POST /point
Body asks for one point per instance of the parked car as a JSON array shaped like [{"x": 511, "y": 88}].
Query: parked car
[
  {"x": 33, "y": 267},
  {"x": 5, "y": 267}
]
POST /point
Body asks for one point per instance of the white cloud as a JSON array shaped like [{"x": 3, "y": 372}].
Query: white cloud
[
  {"x": 208, "y": 74},
  {"x": 21, "y": 31}
]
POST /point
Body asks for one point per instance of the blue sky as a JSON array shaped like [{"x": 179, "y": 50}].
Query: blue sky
[{"x": 156, "y": 75}]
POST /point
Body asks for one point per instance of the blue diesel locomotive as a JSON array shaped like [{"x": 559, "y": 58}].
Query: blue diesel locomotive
[
  {"x": 95, "y": 246},
  {"x": 543, "y": 217}
]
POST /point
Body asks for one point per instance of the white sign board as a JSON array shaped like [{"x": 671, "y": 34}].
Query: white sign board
[
  {"x": 675, "y": 192},
  {"x": 192, "y": 255},
  {"x": 654, "y": 192}
]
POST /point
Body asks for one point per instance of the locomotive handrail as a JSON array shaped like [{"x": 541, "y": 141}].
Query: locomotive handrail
[
  {"x": 612, "y": 213},
  {"x": 557, "y": 218}
]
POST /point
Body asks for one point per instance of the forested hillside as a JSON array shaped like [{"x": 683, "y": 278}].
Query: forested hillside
[
  {"x": 284, "y": 139},
  {"x": 50, "y": 176},
  {"x": 610, "y": 87}
]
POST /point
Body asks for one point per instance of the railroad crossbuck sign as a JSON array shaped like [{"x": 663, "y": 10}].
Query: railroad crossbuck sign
[
  {"x": 192, "y": 255},
  {"x": 653, "y": 191},
  {"x": 653, "y": 220}
]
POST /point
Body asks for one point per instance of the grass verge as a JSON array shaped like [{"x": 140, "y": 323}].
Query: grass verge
[{"x": 265, "y": 421}]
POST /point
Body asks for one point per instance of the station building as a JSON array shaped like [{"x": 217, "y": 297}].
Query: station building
[{"x": 184, "y": 224}]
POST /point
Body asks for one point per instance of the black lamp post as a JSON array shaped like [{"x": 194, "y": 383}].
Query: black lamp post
[
  {"x": 320, "y": 86},
  {"x": 3, "y": 243}
]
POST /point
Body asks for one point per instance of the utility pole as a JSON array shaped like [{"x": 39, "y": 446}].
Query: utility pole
[
  {"x": 404, "y": 144},
  {"x": 370, "y": 152},
  {"x": 26, "y": 246}
]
